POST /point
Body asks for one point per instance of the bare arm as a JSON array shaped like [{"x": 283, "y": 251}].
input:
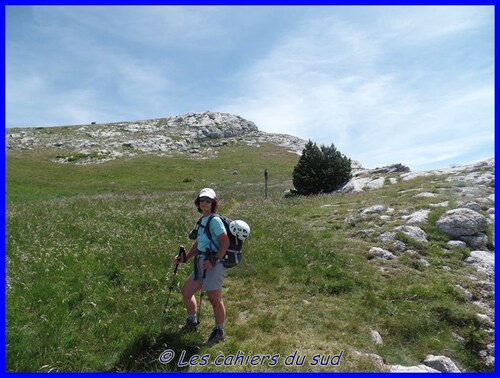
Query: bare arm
[{"x": 224, "y": 245}]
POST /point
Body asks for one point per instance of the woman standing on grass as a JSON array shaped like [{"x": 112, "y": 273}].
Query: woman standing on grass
[{"x": 208, "y": 271}]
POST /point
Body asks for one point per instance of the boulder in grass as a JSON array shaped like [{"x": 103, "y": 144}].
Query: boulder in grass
[
  {"x": 414, "y": 232},
  {"x": 461, "y": 222},
  {"x": 441, "y": 363}
]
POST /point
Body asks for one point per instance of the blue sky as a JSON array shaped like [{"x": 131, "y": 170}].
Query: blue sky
[{"x": 384, "y": 84}]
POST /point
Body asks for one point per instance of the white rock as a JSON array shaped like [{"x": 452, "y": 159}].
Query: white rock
[
  {"x": 356, "y": 185},
  {"x": 382, "y": 253},
  {"x": 376, "y": 338},
  {"x": 398, "y": 245},
  {"x": 483, "y": 261},
  {"x": 456, "y": 244},
  {"x": 485, "y": 319},
  {"x": 411, "y": 369},
  {"x": 387, "y": 237},
  {"x": 441, "y": 204},
  {"x": 376, "y": 359},
  {"x": 377, "y": 209},
  {"x": 441, "y": 363},
  {"x": 461, "y": 222},
  {"x": 425, "y": 195},
  {"x": 413, "y": 232},
  {"x": 466, "y": 292},
  {"x": 417, "y": 217},
  {"x": 472, "y": 205},
  {"x": 479, "y": 241},
  {"x": 376, "y": 183},
  {"x": 425, "y": 263}
]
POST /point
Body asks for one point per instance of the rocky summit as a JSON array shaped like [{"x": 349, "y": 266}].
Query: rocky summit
[{"x": 196, "y": 134}]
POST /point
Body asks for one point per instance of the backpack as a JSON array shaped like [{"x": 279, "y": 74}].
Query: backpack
[{"x": 234, "y": 253}]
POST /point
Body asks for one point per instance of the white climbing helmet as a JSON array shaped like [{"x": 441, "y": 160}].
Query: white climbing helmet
[{"x": 240, "y": 229}]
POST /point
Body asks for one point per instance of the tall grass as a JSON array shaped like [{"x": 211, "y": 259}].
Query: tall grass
[{"x": 89, "y": 264}]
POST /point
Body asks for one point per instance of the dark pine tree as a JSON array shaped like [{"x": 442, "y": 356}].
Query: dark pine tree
[{"x": 320, "y": 170}]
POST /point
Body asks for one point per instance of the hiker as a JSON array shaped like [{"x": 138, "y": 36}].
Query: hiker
[{"x": 208, "y": 274}]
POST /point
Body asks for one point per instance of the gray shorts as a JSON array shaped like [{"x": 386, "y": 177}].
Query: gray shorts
[{"x": 213, "y": 278}]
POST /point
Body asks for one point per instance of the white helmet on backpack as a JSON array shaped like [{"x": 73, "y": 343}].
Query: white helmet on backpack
[{"x": 240, "y": 229}]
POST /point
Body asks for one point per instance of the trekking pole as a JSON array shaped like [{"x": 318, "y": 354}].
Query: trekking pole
[
  {"x": 199, "y": 307},
  {"x": 201, "y": 298},
  {"x": 182, "y": 251}
]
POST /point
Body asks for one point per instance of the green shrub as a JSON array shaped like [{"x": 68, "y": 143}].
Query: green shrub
[{"x": 320, "y": 170}]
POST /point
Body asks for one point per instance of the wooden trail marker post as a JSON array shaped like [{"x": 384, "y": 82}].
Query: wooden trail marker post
[{"x": 266, "y": 176}]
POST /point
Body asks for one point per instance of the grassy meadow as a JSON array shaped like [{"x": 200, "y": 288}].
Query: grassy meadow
[{"x": 89, "y": 264}]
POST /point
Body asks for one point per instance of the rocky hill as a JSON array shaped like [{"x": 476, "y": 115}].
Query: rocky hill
[
  {"x": 196, "y": 134},
  {"x": 465, "y": 221}
]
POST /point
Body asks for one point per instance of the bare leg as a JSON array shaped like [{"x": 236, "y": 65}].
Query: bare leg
[
  {"x": 188, "y": 291},
  {"x": 215, "y": 298}
]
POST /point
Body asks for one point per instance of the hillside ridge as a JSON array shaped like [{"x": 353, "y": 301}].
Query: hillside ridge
[
  {"x": 195, "y": 134},
  {"x": 200, "y": 136}
]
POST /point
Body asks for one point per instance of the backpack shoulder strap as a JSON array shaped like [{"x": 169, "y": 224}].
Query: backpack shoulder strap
[{"x": 207, "y": 228}]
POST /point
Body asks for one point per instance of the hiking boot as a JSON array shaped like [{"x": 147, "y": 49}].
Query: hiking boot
[
  {"x": 216, "y": 337},
  {"x": 190, "y": 326}
]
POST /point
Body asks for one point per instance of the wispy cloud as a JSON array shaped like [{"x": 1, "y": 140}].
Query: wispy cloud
[
  {"x": 152, "y": 26},
  {"x": 332, "y": 81},
  {"x": 119, "y": 62},
  {"x": 384, "y": 84},
  {"x": 73, "y": 77}
]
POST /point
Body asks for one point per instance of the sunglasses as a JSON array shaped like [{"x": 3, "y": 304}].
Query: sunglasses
[{"x": 206, "y": 199}]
